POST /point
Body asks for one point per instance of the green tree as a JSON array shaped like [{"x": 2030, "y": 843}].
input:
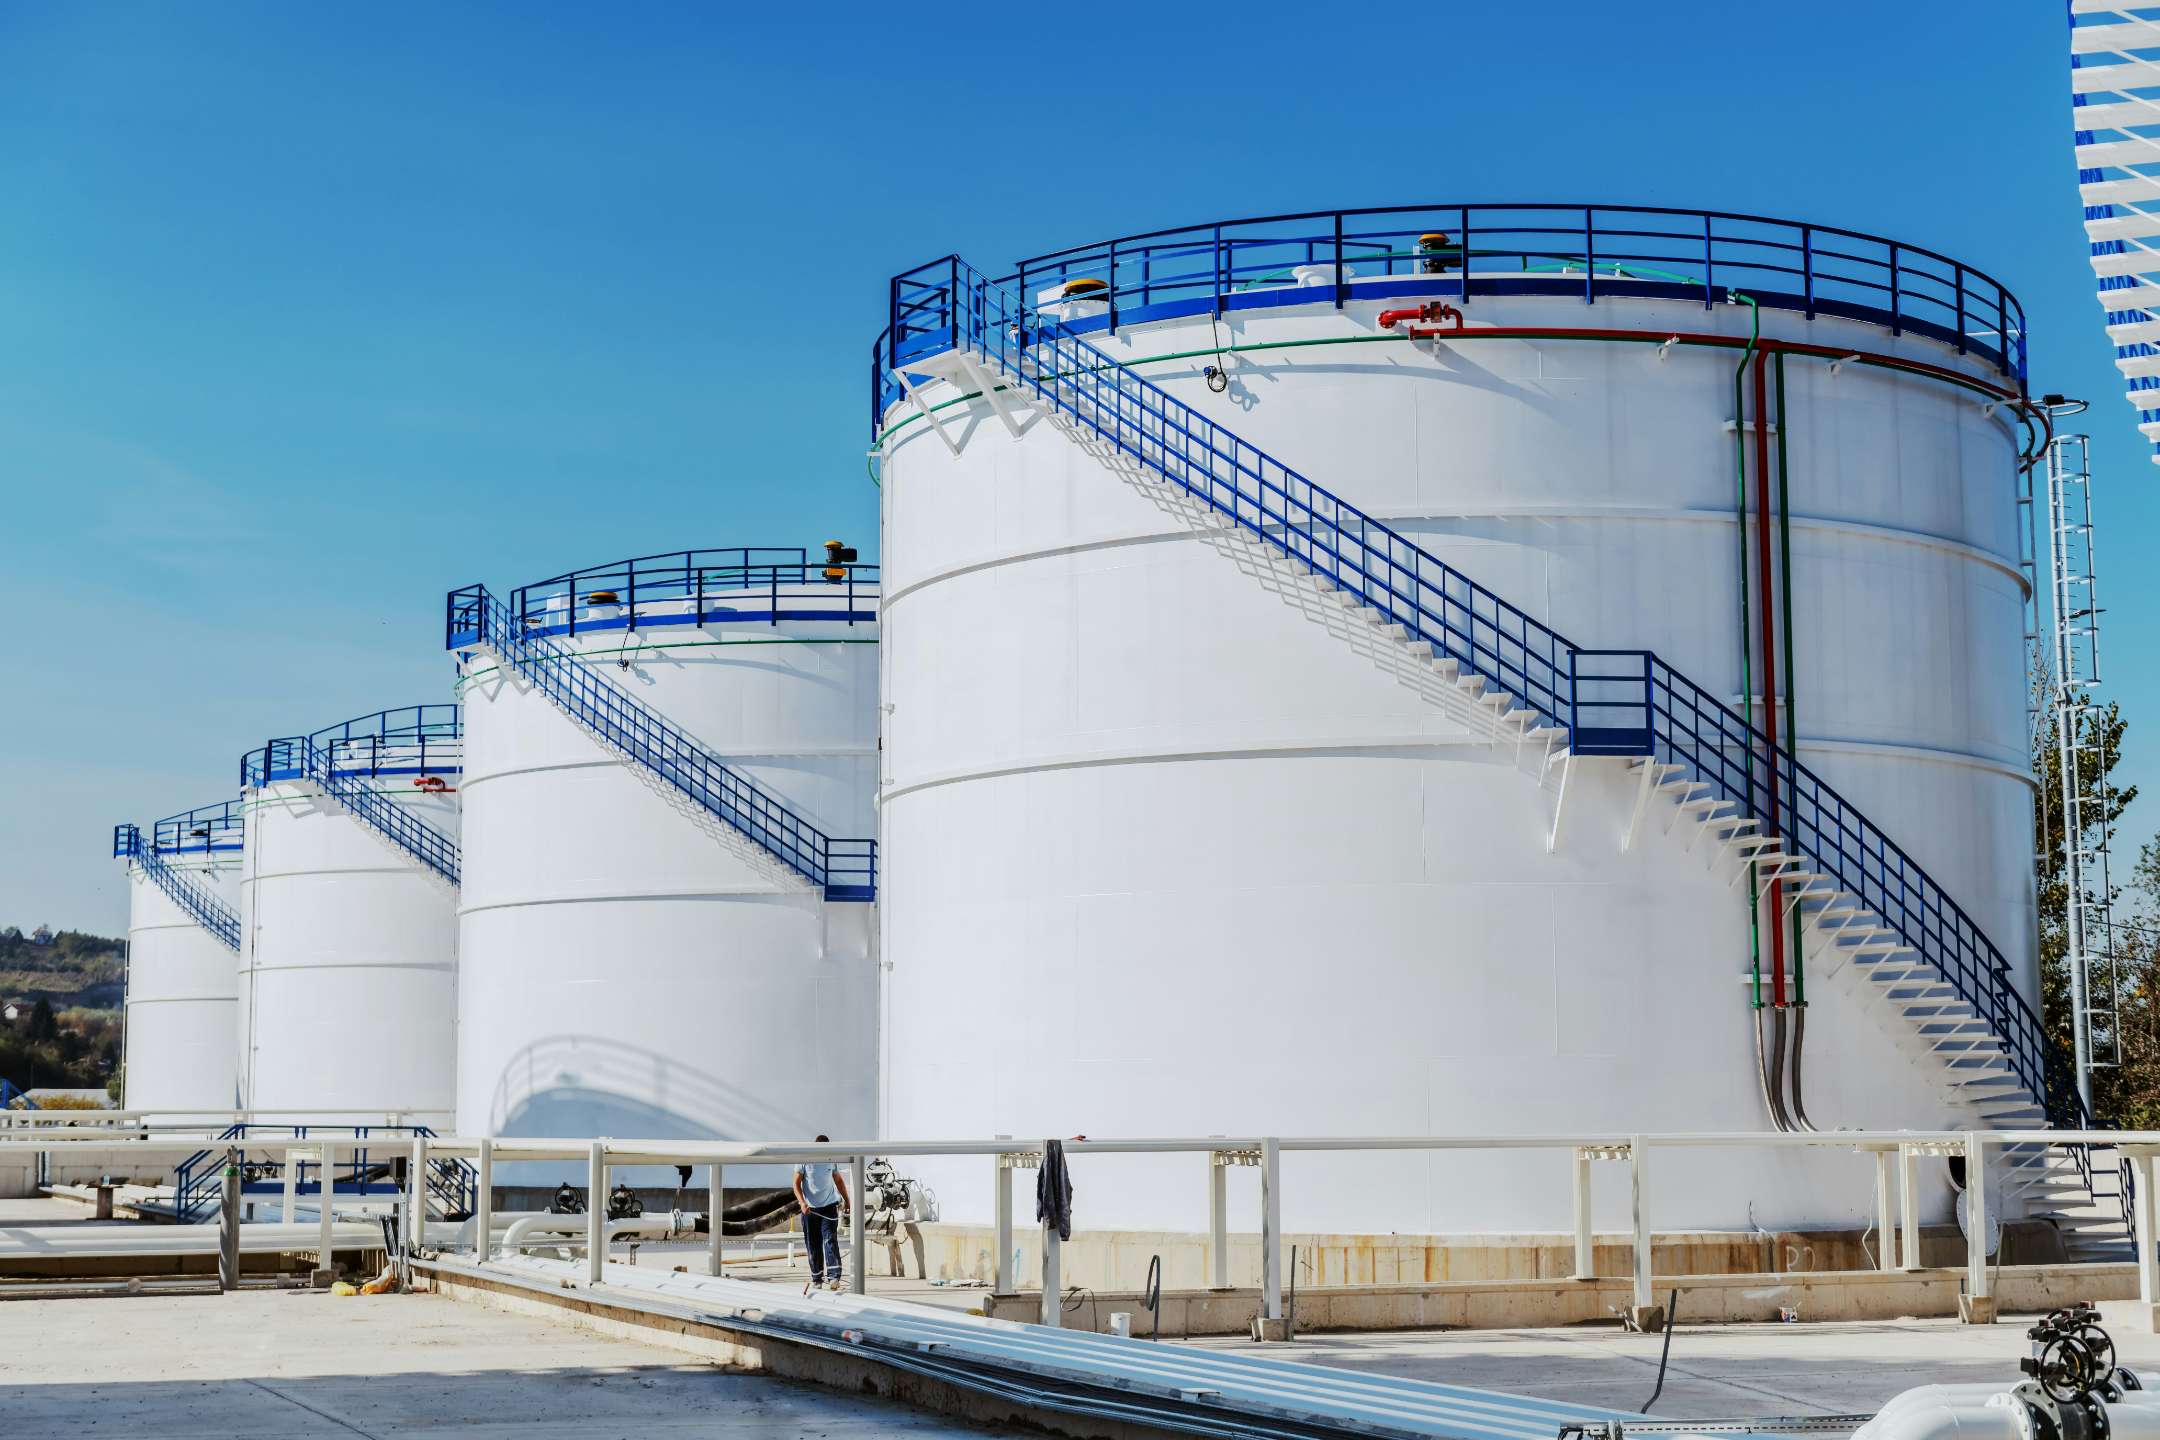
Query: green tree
[
  {"x": 2124, "y": 980},
  {"x": 43, "y": 1027}
]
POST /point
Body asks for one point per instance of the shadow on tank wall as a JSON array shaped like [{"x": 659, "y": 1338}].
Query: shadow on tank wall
[{"x": 571, "y": 1085}]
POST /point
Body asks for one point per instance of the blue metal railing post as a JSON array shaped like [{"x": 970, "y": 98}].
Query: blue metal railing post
[
  {"x": 1342, "y": 286},
  {"x": 1807, "y": 269},
  {"x": 1896, "y": 293},
  {"x": 1589, "y": 241},
  {"x": 1709, "y": 266},
  {"x": 1113, "y": 286}
]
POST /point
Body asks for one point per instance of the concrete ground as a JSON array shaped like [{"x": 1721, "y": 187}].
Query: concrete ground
[
  {"x": 263, "y": 1363},
  {"x": 1716, "y": 1372}
]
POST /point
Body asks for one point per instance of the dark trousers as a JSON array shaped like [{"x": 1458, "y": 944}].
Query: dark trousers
[{"x": 821, "y": 1237}]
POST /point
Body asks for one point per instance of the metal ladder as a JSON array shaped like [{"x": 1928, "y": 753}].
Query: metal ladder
[
  {"x": 1872, "y": 913},
  {"x": 841, "y": 869},
  {"x": 2095, "y": 984}
]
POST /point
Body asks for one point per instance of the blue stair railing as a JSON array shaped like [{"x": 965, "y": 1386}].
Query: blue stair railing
[
  {"x": 10, "y": 1092},
  {"x": 845, "y": 869},
  {"x": 199, "y": 1179},
  {"x": 179, "y": 887},
  {"x": 1608, "y": 702},
  {"x": 350, "y": 761}
]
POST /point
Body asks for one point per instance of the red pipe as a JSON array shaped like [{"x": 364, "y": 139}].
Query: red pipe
[
  {"x": 1436, "y": 310},
  {"x": 1769, "y": 661}
]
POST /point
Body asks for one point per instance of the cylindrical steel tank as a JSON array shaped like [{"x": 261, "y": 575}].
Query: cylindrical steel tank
[
  {"x": 181, "y": 985},
  {"x": 629, "y": 966},
  {"x": 348, "y": 955},
  {"x": 1171, "y": 851}
]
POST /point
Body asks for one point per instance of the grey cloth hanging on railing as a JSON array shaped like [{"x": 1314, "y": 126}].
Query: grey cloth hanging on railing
[{"x": 1053, "y": 1190}]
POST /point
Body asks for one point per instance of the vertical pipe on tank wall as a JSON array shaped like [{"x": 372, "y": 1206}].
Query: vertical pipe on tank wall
[
  {"x": 1747, "y": 682},
  {"x": 1796, "y": 1095},
  {"x": 1769, "y": 1066},
  {"x": 1769, "y": 665}
]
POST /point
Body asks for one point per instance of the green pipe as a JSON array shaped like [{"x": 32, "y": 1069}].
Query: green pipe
[
  {"x": 1747, "y": 670},
  {"x": 1792, "y": 732}
]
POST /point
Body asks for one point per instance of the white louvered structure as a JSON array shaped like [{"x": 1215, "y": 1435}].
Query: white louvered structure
[{"x": 2115, "y": 92}]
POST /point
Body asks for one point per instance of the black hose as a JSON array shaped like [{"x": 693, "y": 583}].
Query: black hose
[
  {"x": 1799, "y": 1040},
  {"x": 1770, "y": 1098},
  {"x": 1290, "y": 1310},
  {"x": 1672, "y": 1313},
  {"x": 764, "y": 1210},
  {"x": 1152, "y": 1292}
]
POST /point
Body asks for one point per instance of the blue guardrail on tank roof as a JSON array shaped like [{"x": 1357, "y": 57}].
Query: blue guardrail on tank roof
[
  {"x": 764, "y": 585},
  {"x": 1462, "y": 252}
]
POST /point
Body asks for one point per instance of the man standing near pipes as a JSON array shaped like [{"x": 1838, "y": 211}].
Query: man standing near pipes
[{"x": 820, "y": 1191}]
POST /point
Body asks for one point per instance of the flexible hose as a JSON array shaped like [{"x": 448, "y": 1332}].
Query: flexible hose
[
  {"x": 1672, "y": 1312},
  {"x": 1772, "y": 1101},
  {"x": 1799, "y": 1041}
]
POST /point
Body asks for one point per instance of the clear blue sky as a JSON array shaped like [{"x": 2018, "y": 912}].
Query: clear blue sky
[{"x": 309, "y": 313}]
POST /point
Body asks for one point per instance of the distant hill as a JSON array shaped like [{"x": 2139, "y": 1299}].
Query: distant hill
[{"x": 71, "y": 969}]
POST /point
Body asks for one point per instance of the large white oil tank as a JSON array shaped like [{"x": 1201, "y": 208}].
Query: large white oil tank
[
  {"x": 183, "y": 929},
  {"x": 348, "y": 907},
  {"x": 630, "y": 966},
  {"x": 1176, "y": 846}
]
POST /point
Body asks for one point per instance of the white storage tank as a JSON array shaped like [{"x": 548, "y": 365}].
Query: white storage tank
[
  {"x": 183, "y": 929},
  {"x": 348, "y": 908},
  {"x": 630, "y": 964},
  {"x": 1176, "y": 845}
]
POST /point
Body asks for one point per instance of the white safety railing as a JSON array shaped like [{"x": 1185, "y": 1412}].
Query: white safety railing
[{"x": 1896, "y": 1153}]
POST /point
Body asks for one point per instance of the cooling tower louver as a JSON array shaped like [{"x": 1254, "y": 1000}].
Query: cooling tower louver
[{"x": 2115, "y": 92}]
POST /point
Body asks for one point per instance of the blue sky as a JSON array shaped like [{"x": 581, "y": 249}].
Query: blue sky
[{"x": 309, "y": 313}]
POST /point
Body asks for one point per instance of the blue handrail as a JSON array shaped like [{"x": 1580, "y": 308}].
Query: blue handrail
[
  {"x": 421, "y": 741},
  {"x": 10, "y": 1092},
  {"x": 846, "y": 869},
  {"x": 1576, "y": 251},
  {"x": 204, "y": 829},
  {"x": 198, "y": 1180},
  {"x": 1626, "y": 702},
  {"x": 409, "y": 740},
  {"x": 206, "y": 909},
  {"x": 766, "y": 584}
]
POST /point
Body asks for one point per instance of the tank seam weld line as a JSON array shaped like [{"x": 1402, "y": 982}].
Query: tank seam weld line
[
  {"x": 411, "y": 868},
  {"x": 1396, "y": 748},
  {"x": 1920, "y": 539},
  {"x": 661, "y": 647},
  {"x": 744, "y": 894},
  {"x": 369, "y": 965},
  {"x": 732, "y": 757}
]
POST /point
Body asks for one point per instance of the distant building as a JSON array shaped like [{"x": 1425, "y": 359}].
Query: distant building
[
  {"x": 41, "y": 936},
  {"x": 10, "y": 1012}
]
